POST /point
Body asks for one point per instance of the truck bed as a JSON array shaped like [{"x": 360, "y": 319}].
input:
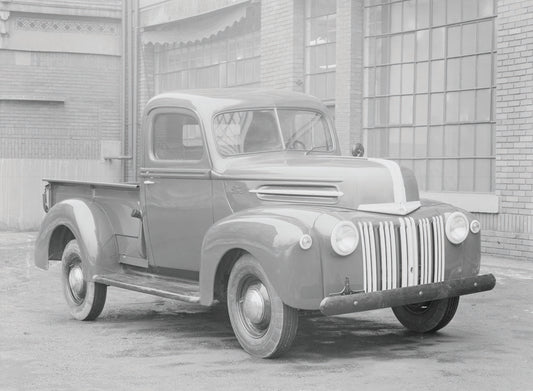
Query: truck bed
[{"x": 116, "y": 199}]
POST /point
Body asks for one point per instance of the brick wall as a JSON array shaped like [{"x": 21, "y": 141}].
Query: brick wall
[
  {"x": 58, "y": 105},
  {"x": 282, "y": 45},
  {"x": 510, "y": 233},
  {"x": 349, "y": 73}
]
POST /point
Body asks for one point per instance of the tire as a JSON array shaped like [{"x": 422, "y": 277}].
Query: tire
[
  {"x": 264, "y": 326},
  {"x": 427, "y": 317},
  {"x": 85, "y": 299}
]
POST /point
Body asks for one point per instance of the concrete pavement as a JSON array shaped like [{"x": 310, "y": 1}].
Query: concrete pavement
[{"x": 142, "y": 342}]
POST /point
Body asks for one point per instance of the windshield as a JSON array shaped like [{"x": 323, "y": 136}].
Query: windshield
[{"x": 249, "y": 131}]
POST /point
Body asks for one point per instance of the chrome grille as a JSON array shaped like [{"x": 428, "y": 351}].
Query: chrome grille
[{"x": 404, "y": 254}]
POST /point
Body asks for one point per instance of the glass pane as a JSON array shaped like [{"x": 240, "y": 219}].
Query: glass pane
[
  {"x": 408, "y": 49},
  {"x": 369, "y": 51},
  {"x": 422, "y": 77},
  {"x": 434, "y": 175},
  {"x": 469, "y": 9},
  {"x": 331, "y": 57},
  {"x": 437, "y": 42},
  {"x": 407, "y": 78},
  {"x": 421, "y": 109},
  {"x": 396, "y": 17},
  {"x": 369, "y": 81},
  {"x": 486, "y": 8},
  {"x": 407, "y": 109},
  {"x": 368, "y": 113},
  {"x": 421, "y": 141},
  {"x": 394, "y": 110},
  {"x": 409, "y": 15},
  {"x": 332, "y": 28},
  {"x": 439, "y": 12},
  {"x": 420, "y": 173},
  {"x": 450, "y": 175},
  {"x": 435, "y": 141},
  {"x": 382, "y": 79},
  {"x": 483, "y": 105},
  {"x": 451, "y": 137},
  {"x": 484, "y": 70},
  {"x": 437, "y": 75},
  {"x": 406, "y": 142},
  {"x": 330, "y": 87},
  {"x": 382, "y": 50},
  {"x": 483, "y": 175},
  {"x": 454, "y": 41},
  {"x": 485, "y": 33},
  {"x": 317, "y": 30},
  {"x": 395, "y": 79},
  {"x": 396, "y": 49},
  {"x": 467, "y": 140},
  {"x": 381, "y": 111},
  {"x": 318, "y": 85},
  {"x": 422, "y": 45},
  {"x": 422, "y": 14},
  {"x": 454, "y": 11},
  {"x": 469, "y": 38},
  {"x": 453, "y": 73},
  {"x": 437, "y": 108},
  {"x": 394, "y": 142},
  {"x": 484, "y": 137},
  {"x": 452, "y": 107},
  {"x": 468, "y": 104},
  {"x": 468, "y": 72},
  {"x": 466, "y": 175},
  {"x": 321, "y": 7}
]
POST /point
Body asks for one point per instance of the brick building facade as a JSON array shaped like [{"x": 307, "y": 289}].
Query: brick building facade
[
  {"x": 60, "y": 99},
  {"x": 441, "y": 86}
]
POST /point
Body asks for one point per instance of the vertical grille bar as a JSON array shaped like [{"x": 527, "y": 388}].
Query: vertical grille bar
[
  {"x": 404, "y": 255},
  {"x": 415, "y": 257}
]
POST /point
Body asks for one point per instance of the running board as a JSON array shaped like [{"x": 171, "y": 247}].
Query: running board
[{"x": 171, "y": 288}]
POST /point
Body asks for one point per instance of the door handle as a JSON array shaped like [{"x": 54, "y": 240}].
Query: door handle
[{"x": 148, "y": 182}]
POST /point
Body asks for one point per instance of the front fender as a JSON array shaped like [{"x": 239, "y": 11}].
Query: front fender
[
  {"x": 90, "y": 226},
  {"x": 272, "y": 236}
]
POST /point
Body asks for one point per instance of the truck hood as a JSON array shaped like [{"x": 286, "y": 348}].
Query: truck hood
[{"x": 373, "y": 185}]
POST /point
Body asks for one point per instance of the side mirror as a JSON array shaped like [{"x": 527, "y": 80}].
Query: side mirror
[{"x": 358, "y": 150}]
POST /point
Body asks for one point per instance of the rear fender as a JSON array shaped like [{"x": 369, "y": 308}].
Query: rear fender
[
  {"x": 272, "y": 237},
  {"x": 88, "y": 224}
]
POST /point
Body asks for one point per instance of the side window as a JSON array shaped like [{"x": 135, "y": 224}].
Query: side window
[{"x": 177, "y": 136}]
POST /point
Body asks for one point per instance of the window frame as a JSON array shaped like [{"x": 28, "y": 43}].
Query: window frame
[
  {"x": 275, "y": 109},
  {"x": 154, "y": 161},
  {"x": 375, "y": 66}
]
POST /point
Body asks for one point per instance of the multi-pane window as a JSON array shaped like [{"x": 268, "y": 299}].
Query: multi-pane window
[
  {"x": 429, "y": 89},
  {"x": 219, "y": 62},
  {"x": 320, "y": 55}
]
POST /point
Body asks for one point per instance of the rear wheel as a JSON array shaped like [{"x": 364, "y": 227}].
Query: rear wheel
[
  {"x": 429, "y": 316},
  {"x": 264, "y": 326},
  {"x": 85, "y": 299}
]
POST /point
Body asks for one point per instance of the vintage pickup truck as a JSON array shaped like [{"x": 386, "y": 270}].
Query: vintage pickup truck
[{"x": 244, "y": 198}]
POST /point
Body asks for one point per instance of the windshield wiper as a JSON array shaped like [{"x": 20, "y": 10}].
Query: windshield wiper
[{"x": 315, "y": 149}]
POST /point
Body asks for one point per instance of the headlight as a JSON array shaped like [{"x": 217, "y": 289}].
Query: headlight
[
  {"x": 344, "y": 238},
  {"x": 457, "y": 227}
]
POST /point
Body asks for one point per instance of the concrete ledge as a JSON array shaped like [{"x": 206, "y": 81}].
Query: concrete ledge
[{"x": 472, "y": 202}]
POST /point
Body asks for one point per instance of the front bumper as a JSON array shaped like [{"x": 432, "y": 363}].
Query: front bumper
[{"x": 357, "y": 302}]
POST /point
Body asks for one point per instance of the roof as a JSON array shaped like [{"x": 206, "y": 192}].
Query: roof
[{"x": 221, "y": 99}]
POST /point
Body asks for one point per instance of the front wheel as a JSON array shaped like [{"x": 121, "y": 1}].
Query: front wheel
[
  {"x": 264, "y": 326},
  {"x": 429, "y": 316},
  {"x": 85, "y": 299}
]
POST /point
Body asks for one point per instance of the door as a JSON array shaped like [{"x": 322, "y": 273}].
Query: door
[{"x": 177, "y": 190}]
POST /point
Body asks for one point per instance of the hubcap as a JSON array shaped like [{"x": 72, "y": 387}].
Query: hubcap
[
  {"x": 255, "y": 307},
  {"x": 76, "y": 282}
]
